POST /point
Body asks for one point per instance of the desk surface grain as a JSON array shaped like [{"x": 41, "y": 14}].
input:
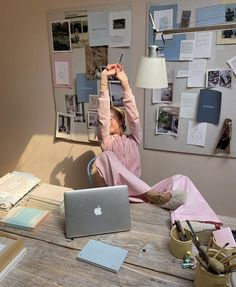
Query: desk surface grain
[{"x": 148, "y": 257}]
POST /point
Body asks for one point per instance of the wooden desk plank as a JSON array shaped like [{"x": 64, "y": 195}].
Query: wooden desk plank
[{"x": 49, "y": 265}]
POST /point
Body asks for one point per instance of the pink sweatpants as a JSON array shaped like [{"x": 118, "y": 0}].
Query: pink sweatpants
[{"x": 195, "y": 208}]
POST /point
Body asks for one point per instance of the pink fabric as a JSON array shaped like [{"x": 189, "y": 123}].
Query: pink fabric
[
  {"x": 126, "y": 148},
  {"x": 119, "y": 163},
  {"x": 195, "y": 207}
]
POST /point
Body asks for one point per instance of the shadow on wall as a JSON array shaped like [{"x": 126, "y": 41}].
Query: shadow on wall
[{"x": 74, "y": 171}]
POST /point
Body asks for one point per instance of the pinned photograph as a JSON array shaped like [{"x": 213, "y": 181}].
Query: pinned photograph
[
  {"x": 93, "y": 102},
  {"x": 79, "y": 31},
  {"x": 167, "y": 120},
  {"x": 219, "y": 78},
  {"x": 95, "y": 57},
  {"x": 228, "y": 36},
  {"x": 116, "y": 93},
  {"x": 80, "y": 113},
  {"x": 70, "y": 104},
  {"x": 92, "y": 119},
  {"x": 163, "y": 95},
  {"x": 65, "y": 127},
  {"x": 185, "y": 19},
  {"x": 61, "y": 36}
]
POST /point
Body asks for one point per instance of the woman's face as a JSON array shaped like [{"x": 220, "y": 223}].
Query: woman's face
[{"x": 115, "y": 124}]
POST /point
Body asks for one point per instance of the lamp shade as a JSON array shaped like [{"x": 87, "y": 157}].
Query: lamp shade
[{"x": 152, "y": 73}]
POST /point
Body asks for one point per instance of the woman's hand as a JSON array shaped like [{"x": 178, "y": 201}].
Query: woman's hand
[{"x": 122, "y": 77}]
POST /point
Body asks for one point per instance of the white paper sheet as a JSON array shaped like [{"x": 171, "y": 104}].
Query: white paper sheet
[
  {"x": 98, "y": 28},
  {"x": 182, "y": 74},
  {"x": 120, "y": 29},
  {"x": 188, "y": 105},
  {"x": 196, "y": 133},
  {"x": 163, "y": 20},
  {"x": 62, "y": 73},
  {"x": 232, "y": 64},
  {"x": 203, "y": 44},
  {"x": 196, "y": 73},
  {"x": 187, "y": 50}
]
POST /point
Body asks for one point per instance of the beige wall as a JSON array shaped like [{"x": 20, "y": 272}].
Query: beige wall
[{"x": 28, "y": 116}]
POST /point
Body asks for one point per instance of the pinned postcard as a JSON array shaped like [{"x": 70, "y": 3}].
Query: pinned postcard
[
  {"x": 98, "y": 28},
  {"x": 167, "y": 120},
  {"x": 62, "y": 70},
  {"x": 209, "y": 106},
  {"x": 219, "y": 78},
  {"x": 163, "y": 20},
  {"x": 120, "y": 29},
  {"x": 164, "y": 95},
  {"x": 196, "y": 133}
]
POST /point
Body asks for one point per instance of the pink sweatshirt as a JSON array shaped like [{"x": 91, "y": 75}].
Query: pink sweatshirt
[{"x": 125, "y": 147}]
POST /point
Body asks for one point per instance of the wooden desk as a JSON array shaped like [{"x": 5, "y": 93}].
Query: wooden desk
[{"x": 50, "y": 260}]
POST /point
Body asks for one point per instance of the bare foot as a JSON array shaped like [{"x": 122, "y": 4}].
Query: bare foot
[{"x": 158, "y": 198}]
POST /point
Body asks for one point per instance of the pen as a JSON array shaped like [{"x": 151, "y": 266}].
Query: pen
[{"x": 121, "y": 56}]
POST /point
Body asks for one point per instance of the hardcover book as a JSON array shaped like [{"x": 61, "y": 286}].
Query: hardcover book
[
  {"x": 103, "y": 255},
  {"x": 24, "y": 217},
  {"x": 11, "y": 251}
]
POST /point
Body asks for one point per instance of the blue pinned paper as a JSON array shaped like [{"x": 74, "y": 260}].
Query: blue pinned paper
[
  {"x": 209, "y": 106},
  {"x": 103, "y": 255},
  {"x": 172, "y": 46},
  {"x": 84, "y": 88},
  {"x": 211, "y": 15}
]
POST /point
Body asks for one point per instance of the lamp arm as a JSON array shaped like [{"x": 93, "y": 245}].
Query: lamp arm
[
  {"x": 154, "y": 29},
  {"x": 224, "y": 26}
]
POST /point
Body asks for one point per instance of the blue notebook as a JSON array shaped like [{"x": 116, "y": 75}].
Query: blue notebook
[
  {"x": 24, "y": 217},
  {"x": 103, "y": 255}
]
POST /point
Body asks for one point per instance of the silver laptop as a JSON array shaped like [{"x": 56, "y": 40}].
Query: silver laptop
[{"x": 96, "y": 211}]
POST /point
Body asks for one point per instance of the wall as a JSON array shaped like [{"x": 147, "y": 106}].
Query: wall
[{"x": 27, "y": 110}]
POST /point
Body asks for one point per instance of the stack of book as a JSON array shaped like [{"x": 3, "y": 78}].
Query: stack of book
[
  {"x": 11, "y": 251},
  {"x": 47, "y": 196},
  {"x": 14, "y": 186}
]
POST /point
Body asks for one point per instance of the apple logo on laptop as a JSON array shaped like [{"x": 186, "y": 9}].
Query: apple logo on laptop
[{"x": 98, "y": 210}]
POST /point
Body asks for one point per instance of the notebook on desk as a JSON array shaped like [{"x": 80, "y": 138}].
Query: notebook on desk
[{"x": 96, "y": 211}]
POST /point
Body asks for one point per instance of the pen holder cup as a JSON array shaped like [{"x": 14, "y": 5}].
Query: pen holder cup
[
  {"x": 227, "y": 251},
  {"x": 204, "y": 278},
  {"x": 180, "y": 248}
]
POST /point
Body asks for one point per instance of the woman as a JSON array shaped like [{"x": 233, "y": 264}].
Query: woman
[{"x": 119, "y": 163}]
